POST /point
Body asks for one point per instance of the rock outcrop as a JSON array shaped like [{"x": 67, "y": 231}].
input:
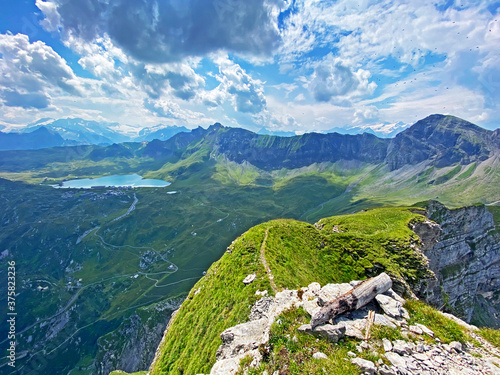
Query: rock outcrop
[
  {"x": 463, "y": 249},
  {"x": 247, "y": 338},
  {"x": 421, "y": 354}
]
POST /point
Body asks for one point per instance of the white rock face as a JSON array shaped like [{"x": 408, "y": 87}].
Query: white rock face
[
  {"x": 244, "y": 339},
  {"x": 311, "y": 306},
  {"x": 392, "y": 307}
]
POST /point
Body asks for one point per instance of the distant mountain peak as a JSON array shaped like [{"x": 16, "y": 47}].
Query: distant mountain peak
[{"x": 39, "y": 138}]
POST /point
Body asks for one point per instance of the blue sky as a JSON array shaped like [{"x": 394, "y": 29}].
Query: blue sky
[{"x": 285, "y": 65}]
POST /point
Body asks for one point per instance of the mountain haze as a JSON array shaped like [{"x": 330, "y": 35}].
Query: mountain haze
[{"x": 37, "y": 139}]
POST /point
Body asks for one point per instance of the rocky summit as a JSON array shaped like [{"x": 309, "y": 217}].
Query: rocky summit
[{"x": 418, "y": 351}]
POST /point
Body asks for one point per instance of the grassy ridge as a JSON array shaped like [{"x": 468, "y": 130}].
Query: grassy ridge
[
  {"x": 298, "y": 253},
  {"x": 217, "y": 300}
]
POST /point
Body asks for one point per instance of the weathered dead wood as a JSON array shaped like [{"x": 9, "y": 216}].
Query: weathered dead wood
[
  {"x": 369, "y": 323},
  {"x": 356, "y": 298}
]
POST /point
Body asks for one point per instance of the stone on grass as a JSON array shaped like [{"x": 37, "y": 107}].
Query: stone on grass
[
  {"x": 320, "y": 355},
  {"x": 392, "y": 307},
  {"x": 387, "y": 345},
  {"x": 333, "y": 333},
  {"x": 306, "y": 328},
  {"x": 249, "y": 279},
  {"x": 365, "y": 365},
  {"x": 416, "y": 330},
  {"x": 382, "y": 320},
  {"x": 426, "y": 330},
  {"x": 456, "y": 345}
]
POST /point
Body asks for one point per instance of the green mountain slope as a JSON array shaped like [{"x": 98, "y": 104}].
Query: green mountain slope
[
  {"x": 297, "y": 254},
  {"x": 440, "y": 157}
]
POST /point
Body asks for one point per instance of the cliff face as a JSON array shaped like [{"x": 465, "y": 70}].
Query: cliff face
[
  {"x": 464, "y": 253},
  {"x": 132, "y": 346}
]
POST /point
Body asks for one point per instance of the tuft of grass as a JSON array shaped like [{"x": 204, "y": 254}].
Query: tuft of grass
[
  {"x": 379, "y": 332},
  {"x": 491, "y": 335},
  {"x": 444, "y": 329},
  {"x": 291, "y": 352},
  {"x": 245, "y": 363}
]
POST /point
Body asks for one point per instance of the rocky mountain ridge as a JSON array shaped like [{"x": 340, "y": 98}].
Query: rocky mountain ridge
[
  {"x": 444, "y": 140},
  {"x": 419, "y": 352}
]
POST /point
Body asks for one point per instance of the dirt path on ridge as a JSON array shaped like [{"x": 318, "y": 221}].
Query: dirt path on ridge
[{"x": 264, "y": 262}]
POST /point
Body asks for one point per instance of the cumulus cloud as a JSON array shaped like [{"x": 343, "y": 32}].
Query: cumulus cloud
[
  {"x": 28, "y": 71},
  {"x": 332, "y": 79},
  {"x": 245, "y": 93},
  {"x": 52, "y": 21},
  {"x": 178, "y": 79},
  {"x": 169, "y": 30},
  {"x": 166, "y": 108},
  {"x": 366, "y": 114}
]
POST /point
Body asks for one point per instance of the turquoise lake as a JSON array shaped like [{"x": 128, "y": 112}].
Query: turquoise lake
[{"x": 131, "y": 180}]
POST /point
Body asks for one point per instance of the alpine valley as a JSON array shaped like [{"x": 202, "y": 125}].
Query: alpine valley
[{"x": 100, "y": 271}]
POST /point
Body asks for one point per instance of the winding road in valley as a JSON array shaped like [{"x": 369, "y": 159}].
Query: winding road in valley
[{"x": 153, "y": 276}]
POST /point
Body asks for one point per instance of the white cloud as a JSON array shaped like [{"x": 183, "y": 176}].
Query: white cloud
[
  {"x": 179, "y": 79},
  {"x": 330, "y": 53},
  {"x": 245, "y": 93},
  {"x": 30, "y": 72},
  {"x": 52, "y": 21},
  {"x": 332, "y": 79},
  {"x": 170, "y": 30}
]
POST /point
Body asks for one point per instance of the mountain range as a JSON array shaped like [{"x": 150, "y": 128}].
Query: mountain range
[
  {"x": 440, "y": 141},
  {"x": 77, "y": 131},
  {"x": 37, "y": 139},
  {"x": 439, "y": 156}
]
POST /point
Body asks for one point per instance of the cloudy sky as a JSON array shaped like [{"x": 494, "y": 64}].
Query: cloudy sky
[{"x": 295, "y": 65}]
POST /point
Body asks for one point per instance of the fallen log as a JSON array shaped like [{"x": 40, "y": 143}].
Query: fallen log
[{"x": 353, "y": 300}]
